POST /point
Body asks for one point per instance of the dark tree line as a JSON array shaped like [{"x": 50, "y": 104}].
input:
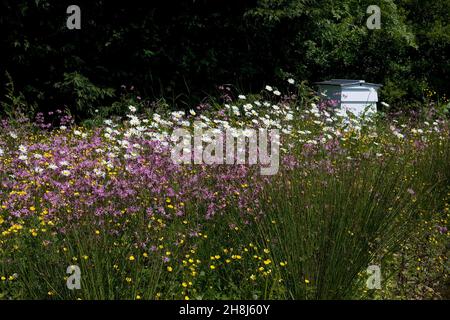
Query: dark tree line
[{"x": 182, "y": 50}]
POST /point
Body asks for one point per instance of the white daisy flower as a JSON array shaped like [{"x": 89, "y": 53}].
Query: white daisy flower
[
  {"x": 65, "y": 173},
  {"x": 38, "y": 169},
  {"x": 99, "y": 173}
]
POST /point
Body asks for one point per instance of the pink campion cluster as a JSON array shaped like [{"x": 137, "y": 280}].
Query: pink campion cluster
[{"x": 74, "y": 173}]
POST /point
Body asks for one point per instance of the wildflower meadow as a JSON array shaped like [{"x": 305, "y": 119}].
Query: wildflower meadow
[{"x": 100, "y": 209}]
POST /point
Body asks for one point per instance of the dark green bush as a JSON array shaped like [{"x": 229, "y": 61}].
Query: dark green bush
[{"x": 183, "y": 50}]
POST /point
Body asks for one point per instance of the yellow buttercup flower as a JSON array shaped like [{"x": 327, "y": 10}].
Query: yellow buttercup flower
[{"x": 268, "y": 261}]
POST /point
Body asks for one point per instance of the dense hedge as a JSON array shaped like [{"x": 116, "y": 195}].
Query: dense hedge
[{"x": 182, "y": 50}]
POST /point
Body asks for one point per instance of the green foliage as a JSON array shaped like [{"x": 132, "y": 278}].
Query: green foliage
[
  {"x": 418, "y": 268},
  {"x": 14, "y": 104},
  {"x": 183, "y": 52},
  {"x": 330, "y": 226},
  {"x": 85, "y": 95}
]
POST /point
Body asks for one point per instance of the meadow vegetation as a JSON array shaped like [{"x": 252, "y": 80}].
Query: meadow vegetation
[{"x": 106, "y": 196}]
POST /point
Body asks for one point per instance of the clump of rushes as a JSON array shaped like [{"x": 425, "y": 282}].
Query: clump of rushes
[{"x": 330, "y": 216}]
